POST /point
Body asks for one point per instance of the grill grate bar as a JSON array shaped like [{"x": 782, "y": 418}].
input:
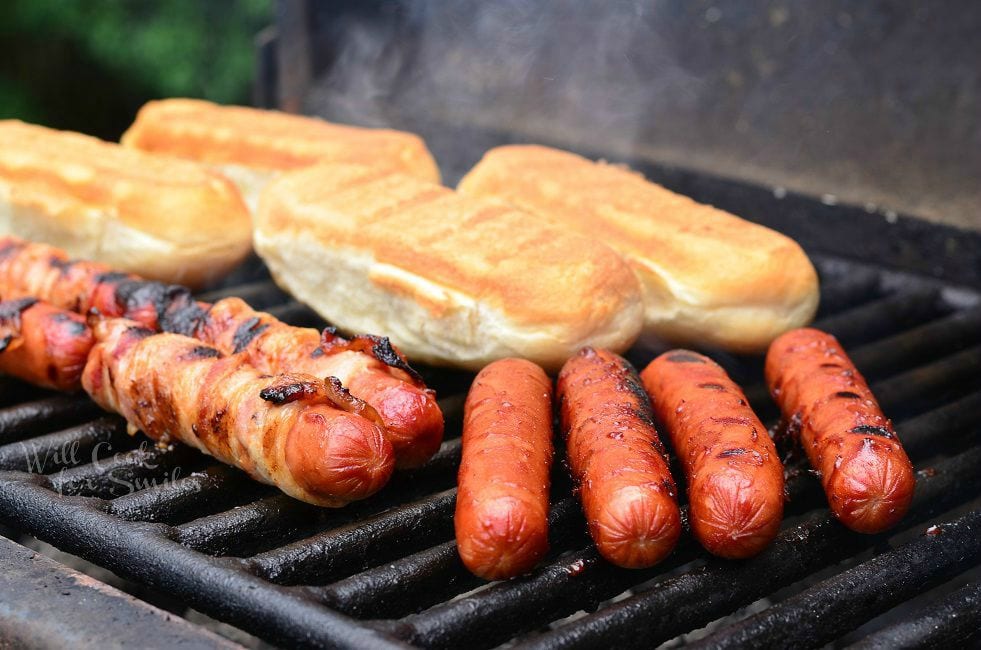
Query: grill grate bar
[
  {"x": 940, "y": 428},
  {"x": 716, "y": 589},
  {"x": 841, "y": 603},
  {"x": 218, "y": 486},
  {"x": 352, "y": 547},
  {"x": 65, "y": 448},
  {"x": 882, "y": 317},
  {"x": 848, "y": 290},
  {"x": 954, "y": 621},
  {"x": 233, "y": 531},
  {"x": 259, "y": 295},
  {"x": 126, "y": 472},
  {"x": 916, "y": 389},
  {"x": 920, "y": 344},
  {"x": 296, "y": 314},
  {"x": 45, "y": 415}
]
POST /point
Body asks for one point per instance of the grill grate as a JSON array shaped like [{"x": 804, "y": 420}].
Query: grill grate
[{"x": 384, "y": 572}]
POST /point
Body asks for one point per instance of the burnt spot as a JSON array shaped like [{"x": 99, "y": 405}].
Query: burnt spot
[
  {"x": 729, "y": 453},
  {"x": 317, "y": 353},
  {"x": 62, "y": 265},
  {"x": 183, "y": 315},
  {"x": 286, "y": 393},
  {"x": 837, "y": 366},
  {"x": 684, "y": 356},
  {"x": 75, "y": 328},
  {"x": 133, "y": 295},
  {"x": 382, "y": 350},
  {"x": 111, "y": 277},
  {"x": 246, "y": 333},
  {"x": 10, "y": 248},
  {"x": 867, "y": 429},
  {"x": 139, "y": 333},
  {"x": 847, "y": 394},
  {"x": 201, "y": 352},
  {"x": 5, "y": 342},
  {"x": 712, "y": 387},
  {"x": 11, "y": 309}
]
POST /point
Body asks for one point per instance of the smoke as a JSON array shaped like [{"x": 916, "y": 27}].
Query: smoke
[{"x": 529, "y": 70}]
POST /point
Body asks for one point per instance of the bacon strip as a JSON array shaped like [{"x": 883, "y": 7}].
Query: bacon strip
[
  {"x": 370, "y": 367},
  {"x": 285, "y": 430}
]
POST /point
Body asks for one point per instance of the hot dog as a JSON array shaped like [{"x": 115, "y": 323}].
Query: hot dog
[
  {"x": 617, "y": 460},
  {"x": 43, "y": 345},
  {"x": 827, "y": 404},
  {"x": 367, "y": 365},
  {"x": 734, "y": 474},
  {"x": 502, "y": 501},
  {"x": 292, "y": 431}
]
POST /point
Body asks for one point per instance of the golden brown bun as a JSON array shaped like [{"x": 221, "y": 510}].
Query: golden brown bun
[
  {"x": 163, "y": 218},
  {"x": 709, "y": 277},
  {"x": 251, "y": 145},
  {"x": 451, "y": 279}
]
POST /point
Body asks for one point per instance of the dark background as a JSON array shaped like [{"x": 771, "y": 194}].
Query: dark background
[{"x": 88, "y": 65}]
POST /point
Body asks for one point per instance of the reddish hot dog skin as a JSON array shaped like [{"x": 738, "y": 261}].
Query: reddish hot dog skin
[
  {"x": 617, "y": 460},
  {"x": 502, "y": 501},
  {"x": 864, "y": 470},
  {"x": 734, "y": 474},
  {"x": 43, "y": 345}
]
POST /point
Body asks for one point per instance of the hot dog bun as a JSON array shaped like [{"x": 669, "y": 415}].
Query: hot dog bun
[
  {"x": 451, "y": 279},
  {"x": 167, "y": 219},
  {"x": 251, "y": 145},
  {"x": 709, "y": 277}
]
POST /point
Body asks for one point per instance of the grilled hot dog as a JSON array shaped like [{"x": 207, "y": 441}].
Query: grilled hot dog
[
  {"x": 618, "y": 461},
  {"x": 864, "y": 470},
  {"x": 369, "y": 366},
  {"x": 502, "y": 502},
  {"x": 735, "y": 478},
  {"x": 43, "y": 345},
  {"x": 286, "y": 430}
]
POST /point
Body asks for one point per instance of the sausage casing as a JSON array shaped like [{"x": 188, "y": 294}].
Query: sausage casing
[
  {"x": 734, "y": 474},
  {"x": 827, "y": 404},
  {"x": 617, "y": 460},
  {"x": 43, "y": 345},
  {"x": 502, "y": 501}
]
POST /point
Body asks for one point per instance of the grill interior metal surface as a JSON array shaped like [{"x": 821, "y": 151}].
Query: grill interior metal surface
[{"x": 384, "y": 572}]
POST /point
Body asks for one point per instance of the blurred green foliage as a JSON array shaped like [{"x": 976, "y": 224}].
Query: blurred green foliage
[{"x": 89, "y": 64}]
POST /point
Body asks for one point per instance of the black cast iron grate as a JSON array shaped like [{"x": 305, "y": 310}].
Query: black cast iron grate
[{"x": 384, "y": 572}]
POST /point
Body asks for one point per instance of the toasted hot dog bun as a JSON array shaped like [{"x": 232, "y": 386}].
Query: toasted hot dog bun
[
  {"x": 709, "y": 277},
  {"x": 251, "y": 145},
  {"x": 451, "y": 279},
  {"x": 167, "y": 219}
]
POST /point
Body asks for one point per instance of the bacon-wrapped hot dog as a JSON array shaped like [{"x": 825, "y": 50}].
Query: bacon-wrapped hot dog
[
  {"x": 43, "y": 345},
  {"x": 413, "y": 420},
  {"x": 617, "y": 460},
  {"x": 502, "y": 501},
  {"x": 735, "y": 478},
  {"x": 864, "y": 470},
  {"x": 368, "y": 366},
  {"x": 285, "y": 430}
]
